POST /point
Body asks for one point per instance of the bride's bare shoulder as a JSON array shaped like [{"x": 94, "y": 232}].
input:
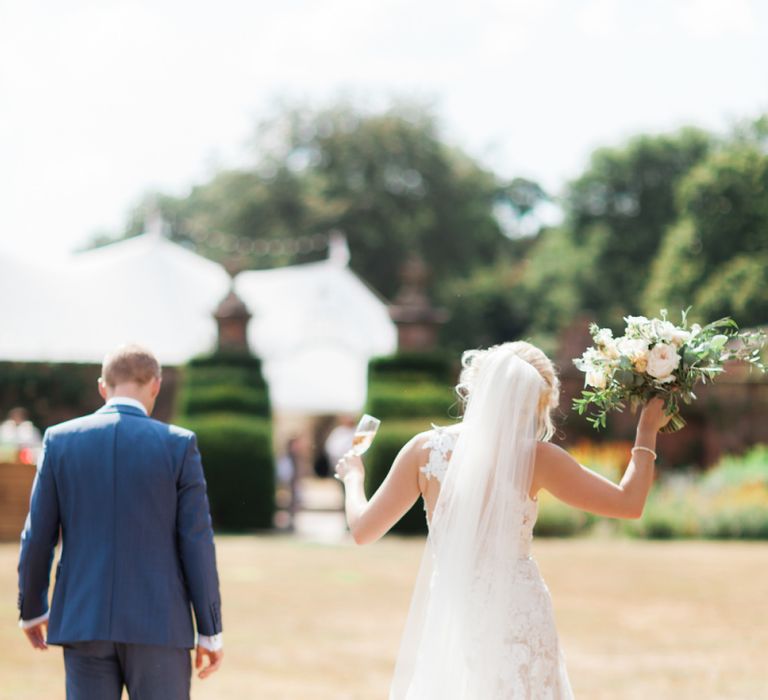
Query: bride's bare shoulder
[{"x": 548, "y": 455}]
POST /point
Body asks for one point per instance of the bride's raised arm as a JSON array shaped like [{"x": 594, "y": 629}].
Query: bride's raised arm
[
  {"x": 560, "y": 474},
  {"x": 370, "y": 520}
]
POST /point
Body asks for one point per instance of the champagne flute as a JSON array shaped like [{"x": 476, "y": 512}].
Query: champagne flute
[{"x": 364, "y": 434}]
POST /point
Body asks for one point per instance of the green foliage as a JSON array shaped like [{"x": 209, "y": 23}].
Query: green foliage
[
  {"x": 728, "y": 502},
  {"x": 224, "y": 399},
  {"x": 224, "y": 383},
  {"x": 51, "y": 392},
  {"x": 435, "y": 366},
  {"x": 557, "y": 519},
  {"x": 715, "y": 257},
  {"x": 488, "y": 307},
  {"x": 410, "y": 400},
  {"x": 237, "y": 457},
  {"x": 738, "y": 288},
  {"x": 387, "y": 179},
  {"x": 622, "y": 206}
]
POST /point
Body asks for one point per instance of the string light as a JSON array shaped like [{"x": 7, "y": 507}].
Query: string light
[{"x": 262, "y": 247}]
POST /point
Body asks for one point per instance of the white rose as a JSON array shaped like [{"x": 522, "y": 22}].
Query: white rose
[
  {"x": 603, "y": 336},
  {"x": 662, "y": 361},
  {"x": 679, "y": 337},
  {"x": 597, "y": 379},
  {"x": 663, "y": 330},
  {"x": 634, "y": 348},
  {"x": 609, "y": 351},
  {"x": 637, "y": 326}
]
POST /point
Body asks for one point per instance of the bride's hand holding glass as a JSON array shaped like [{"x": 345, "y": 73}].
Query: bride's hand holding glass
[{"x": 350, "y": 464}]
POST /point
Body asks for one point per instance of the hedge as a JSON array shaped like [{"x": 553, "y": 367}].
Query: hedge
[
  {"x": 224, "y": 398},
  {"x": 409, "y": 392},
  {"x": 436, "y": 366},
  {"x": 239, "y": 470},
  {"x": 412, "y": 400},
  {"x": 224, "y": 382},
  {"x": 557, "y": 519}
]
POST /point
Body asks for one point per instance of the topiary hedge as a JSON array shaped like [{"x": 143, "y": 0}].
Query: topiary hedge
[
  {"x": 224, "y": 382},
  {"x": 411, "y": 399},
  {"x": 237, "y": 458},
  {"x": 409, "y": 392},
  {"x": 435, "y": 366},
  {"x": 224, "y": 399}
]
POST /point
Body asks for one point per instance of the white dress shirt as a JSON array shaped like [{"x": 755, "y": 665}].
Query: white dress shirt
[{"x": 211, "y": 643}]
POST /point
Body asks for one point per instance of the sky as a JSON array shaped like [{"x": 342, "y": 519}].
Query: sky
[{"x": 102, "y": 101}]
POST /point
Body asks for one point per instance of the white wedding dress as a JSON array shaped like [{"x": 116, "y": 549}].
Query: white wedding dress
[{"x": 481, "y": 624}]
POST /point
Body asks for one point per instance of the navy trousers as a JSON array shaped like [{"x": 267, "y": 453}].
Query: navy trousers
[{"x": 99, "y": 670}]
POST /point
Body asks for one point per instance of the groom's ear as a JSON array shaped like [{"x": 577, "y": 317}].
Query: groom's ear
[
  {"x": 157, "y": 382},
  {"x": 102, "y": 388}
]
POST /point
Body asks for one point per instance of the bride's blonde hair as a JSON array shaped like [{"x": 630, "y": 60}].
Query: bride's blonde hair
[{"x": 472, "y": 362}]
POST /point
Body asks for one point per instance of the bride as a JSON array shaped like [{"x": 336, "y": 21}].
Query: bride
[{"x": 481, "y": 625}]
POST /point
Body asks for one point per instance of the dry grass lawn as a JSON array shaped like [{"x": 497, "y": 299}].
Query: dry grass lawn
[{"x": 638, "y": 620}]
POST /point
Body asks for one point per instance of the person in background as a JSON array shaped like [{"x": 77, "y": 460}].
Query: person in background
[
  {"x": 289, "y": 470},
  {"x": 339, "y": 440},
  {"x": 19, "y": 436}
]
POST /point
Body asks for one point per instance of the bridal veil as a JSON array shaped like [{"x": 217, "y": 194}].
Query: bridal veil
[{"x": 454, "y": 640}]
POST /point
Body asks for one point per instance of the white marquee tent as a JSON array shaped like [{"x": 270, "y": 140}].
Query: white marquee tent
[{"x": 315, "y": 326}]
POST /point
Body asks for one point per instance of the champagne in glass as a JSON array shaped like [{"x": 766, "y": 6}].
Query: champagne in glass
[{"x": 364, "y": 434}]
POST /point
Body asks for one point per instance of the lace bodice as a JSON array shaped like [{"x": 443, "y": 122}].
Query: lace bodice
[{"x": 440, "y": 444}]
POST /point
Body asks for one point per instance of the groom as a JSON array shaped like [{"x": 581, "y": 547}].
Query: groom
[{"x": 128, "y": 496}]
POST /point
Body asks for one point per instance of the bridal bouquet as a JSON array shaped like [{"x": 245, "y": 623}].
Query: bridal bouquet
[{"x": 655, "y": 357}]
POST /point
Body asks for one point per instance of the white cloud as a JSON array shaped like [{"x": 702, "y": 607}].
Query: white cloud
[
  {"x": 708, "y": 19},
  {"x": 600, "y": 18}
]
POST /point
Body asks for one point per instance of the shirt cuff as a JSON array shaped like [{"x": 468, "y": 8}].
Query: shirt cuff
[
  {"x": 214, "y": 643},
  {"x": 27, "y": 624}
]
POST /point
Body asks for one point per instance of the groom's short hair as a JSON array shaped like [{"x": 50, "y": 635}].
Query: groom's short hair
[{"x": 129, "y": 363}]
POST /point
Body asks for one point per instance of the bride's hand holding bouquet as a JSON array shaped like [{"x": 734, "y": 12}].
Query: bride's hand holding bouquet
[{"x": 656, "y": 358}]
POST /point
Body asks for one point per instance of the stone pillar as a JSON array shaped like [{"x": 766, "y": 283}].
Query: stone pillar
[
  {"x": 232, "y": 318},
  {"x": 418, "y": 322}
]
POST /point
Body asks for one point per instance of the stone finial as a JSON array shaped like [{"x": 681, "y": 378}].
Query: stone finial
[
  {"x": 232, "y": 318},
  {"x": 417, "y": 320}
]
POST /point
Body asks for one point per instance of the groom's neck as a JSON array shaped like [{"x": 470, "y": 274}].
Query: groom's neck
[{"x": 142, "y": 393}]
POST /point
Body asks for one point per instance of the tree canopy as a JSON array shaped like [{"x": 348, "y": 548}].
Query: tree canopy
[{"x": 661, "y": 221}]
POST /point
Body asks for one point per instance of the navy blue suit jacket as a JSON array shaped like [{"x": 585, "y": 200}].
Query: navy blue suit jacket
[{"x": 129, "y": 497}]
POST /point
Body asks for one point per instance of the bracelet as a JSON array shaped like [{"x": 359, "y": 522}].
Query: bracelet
[{"x": 644, "y": 449}]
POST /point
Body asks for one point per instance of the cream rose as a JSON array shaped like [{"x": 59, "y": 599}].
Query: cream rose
[
  {"x": 679, "y": 337},
  {"x": 634, "y": 348},
  {"x": 662, "y": 361},
  {"x": 597, "y": 379},
  {"x": 664, "y": 330}
]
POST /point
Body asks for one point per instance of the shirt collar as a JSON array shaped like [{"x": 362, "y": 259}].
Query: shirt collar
[{"x": 127, "y": 401}]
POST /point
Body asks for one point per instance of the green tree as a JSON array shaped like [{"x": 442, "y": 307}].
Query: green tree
[
  {"x": 715, "y": 257},
  {"x": 388, "y": 180},
  {"x": 620, "y": 209}
]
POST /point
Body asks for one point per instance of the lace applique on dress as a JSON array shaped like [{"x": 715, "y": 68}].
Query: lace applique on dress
[{"x": 440, "y": 443}]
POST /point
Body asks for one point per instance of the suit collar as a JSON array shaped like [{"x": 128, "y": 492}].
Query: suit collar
[{"x": 120, "y": 407}]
